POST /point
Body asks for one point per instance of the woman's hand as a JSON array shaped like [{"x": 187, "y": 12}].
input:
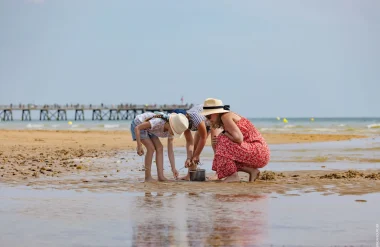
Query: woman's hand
[
  {"x": 175, "y": 173},
  {"x": 140, "y": 150},
  {"x": 195, "y": 159},
  {"x": 214, "y": 140},
  {"x": 188, "y": 163}
]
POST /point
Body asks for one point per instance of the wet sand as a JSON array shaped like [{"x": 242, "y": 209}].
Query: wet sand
[
  {"x": 106, "y": 161},
  {"x": 87, "y": 189},
  {"x": 30, "y": 154}
]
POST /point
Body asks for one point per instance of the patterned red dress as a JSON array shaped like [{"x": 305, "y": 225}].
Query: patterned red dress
[{"x": 231, "y": 156}]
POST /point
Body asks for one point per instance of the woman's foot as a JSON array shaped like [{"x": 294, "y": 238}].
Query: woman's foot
[
  {"x": 213, "y": 177},
  {"x": 233, "y": 178},
  {"x": 253, "y": 175}
]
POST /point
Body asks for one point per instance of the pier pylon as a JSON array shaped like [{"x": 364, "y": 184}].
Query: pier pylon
[
  {"x": 44, "y": 115},
  {"x": 26, "y": 116},
  {"x": 113, "y": 114},
  {"x": 79, "y": 114},
  {"x": 6, "y": 115},
  {"x": 97, "y": 114},
  {"x": 123, "y": 114},
  {"x": 61, "y": 114}
]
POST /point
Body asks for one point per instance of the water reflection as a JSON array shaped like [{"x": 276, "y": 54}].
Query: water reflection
[
  {"x": 69, "y": 218},
  {"x": 198, "y": 219}
]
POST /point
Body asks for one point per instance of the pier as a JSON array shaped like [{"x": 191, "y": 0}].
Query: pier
[{"x": 99, "y": 112}]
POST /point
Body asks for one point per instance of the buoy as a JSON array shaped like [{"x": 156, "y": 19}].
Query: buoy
[
  {"x": 285, "y": 120},
  {"x": 312, "y": 119},
  {"x": 278, "y": 118},
  {"x": 70, "y": 123}
]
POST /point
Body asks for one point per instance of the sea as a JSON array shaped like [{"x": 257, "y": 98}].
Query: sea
[{"x": 362, "y": 126}]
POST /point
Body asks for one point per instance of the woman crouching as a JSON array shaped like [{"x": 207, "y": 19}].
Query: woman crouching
[{"x": 240, "y": 147}]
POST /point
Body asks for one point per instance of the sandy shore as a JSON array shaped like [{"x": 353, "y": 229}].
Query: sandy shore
[{"x": 32, "y": 156}]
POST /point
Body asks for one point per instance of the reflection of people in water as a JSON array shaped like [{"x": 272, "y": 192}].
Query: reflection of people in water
[
  {"x": 197, "y": 219},
  {"x": 152, "y": 229},
  {"x": 226, "y": 220},
  {"x": 239, "y": 220}
]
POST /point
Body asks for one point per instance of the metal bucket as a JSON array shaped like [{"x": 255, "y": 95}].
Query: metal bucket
[{"x": 198, "y": 175}]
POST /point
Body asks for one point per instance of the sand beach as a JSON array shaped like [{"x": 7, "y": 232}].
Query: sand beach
[
  {"x": 64, "y": 180},
  {"x": 50, "y": 177}
]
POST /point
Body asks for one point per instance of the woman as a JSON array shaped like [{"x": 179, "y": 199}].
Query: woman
[
  {"x": 194, "y": 145},
  {"x": 240, "y": 147}
]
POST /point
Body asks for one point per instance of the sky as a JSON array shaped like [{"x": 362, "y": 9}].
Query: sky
[{"x": 264, "y": 58}]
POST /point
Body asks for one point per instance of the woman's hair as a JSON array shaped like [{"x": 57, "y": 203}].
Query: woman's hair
[{"x": 219, "y": 123}]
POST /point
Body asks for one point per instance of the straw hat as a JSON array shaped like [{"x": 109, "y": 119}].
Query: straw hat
[
  {"x": 211, "y": 106},
  {"x": 178, "y": 123}
]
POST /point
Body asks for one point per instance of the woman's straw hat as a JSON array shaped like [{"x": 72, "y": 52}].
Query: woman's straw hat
[
  {"x": 211, "y": 106},
  {"x": 178, "y": 123}
]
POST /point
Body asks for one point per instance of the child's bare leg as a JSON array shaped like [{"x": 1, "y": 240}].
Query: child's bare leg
[
  {"x": 159, "y": 159},
  {"x": 148, "y": 159},
  {"x": 254, "y": 173}
]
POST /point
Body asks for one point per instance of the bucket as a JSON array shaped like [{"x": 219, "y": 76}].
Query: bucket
[{"x": 198, "y": 175}]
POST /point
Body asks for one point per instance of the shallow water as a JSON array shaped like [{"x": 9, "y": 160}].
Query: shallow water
[
  {"x": 361, "y": 126},
  {"x": 284, "y": 157},
  {"x": 352, "y": 154},
  {"x": 69, "y": 218}
]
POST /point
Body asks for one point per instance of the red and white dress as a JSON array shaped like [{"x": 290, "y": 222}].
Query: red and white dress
[{"x": 231, "y": 156}]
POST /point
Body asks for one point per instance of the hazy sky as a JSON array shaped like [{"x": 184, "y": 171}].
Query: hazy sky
[{"x": 264, "y": 58}]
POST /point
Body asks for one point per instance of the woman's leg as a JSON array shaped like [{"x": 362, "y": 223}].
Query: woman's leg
[
  {"x": 232, "y": 178},
  {"x": 254, "y": 173},
  {"x": 159, "y": 158},
  {"x": 148, "y": 159},
  {"x": 214, "y": 133},
  {"x": 224, "y": 167}
]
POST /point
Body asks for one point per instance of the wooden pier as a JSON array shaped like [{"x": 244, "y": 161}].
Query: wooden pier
[{"x": 99, "y": 112}]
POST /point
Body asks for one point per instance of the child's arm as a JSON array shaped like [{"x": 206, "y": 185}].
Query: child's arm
[
  {"x": 143, "y": 126},
  {"x": 171, "y": 157}
]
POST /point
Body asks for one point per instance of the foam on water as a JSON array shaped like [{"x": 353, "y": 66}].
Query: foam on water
[
  {"x": 325, "y": 130},
  {"x": 366, "y": 126},
  {"x": 111, "y": 126},
  {"x": 374, "y": 126},
  {"x": 35, "y": 126}
]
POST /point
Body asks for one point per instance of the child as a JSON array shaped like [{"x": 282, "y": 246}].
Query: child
[
  {"x": 146, "y": 128},
  {"x": 240, "y": 147}
]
